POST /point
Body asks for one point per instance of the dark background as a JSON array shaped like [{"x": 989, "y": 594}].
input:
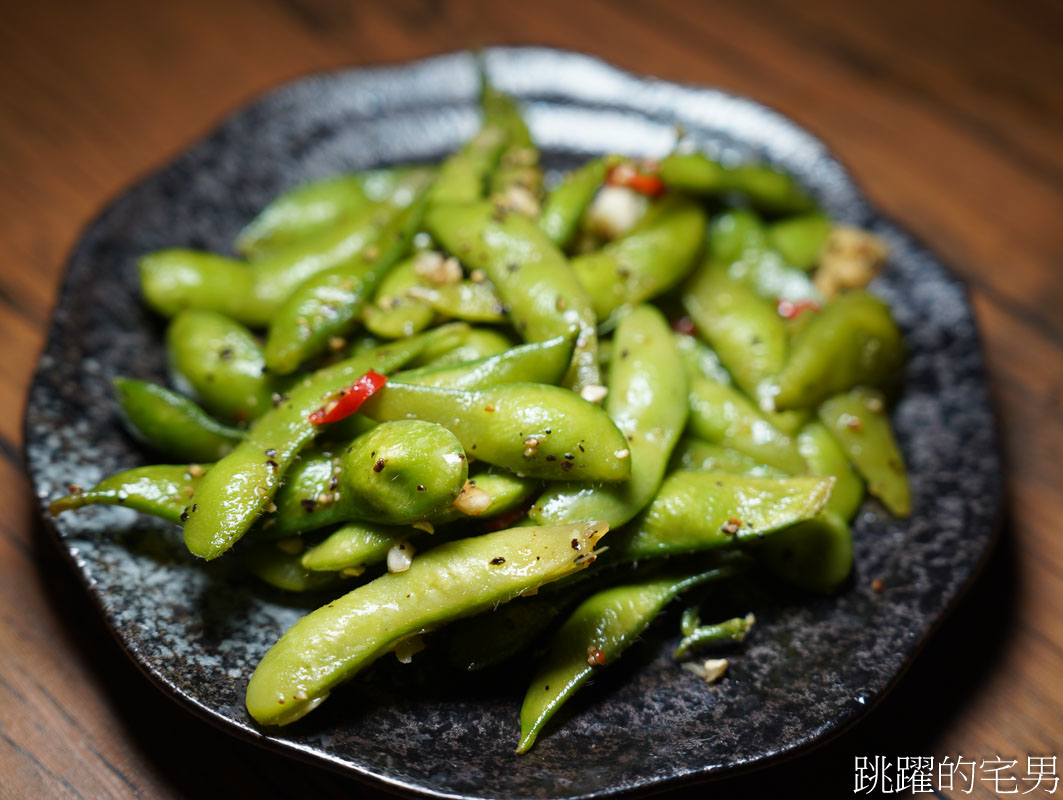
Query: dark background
[{"x": 949, "y": 114}]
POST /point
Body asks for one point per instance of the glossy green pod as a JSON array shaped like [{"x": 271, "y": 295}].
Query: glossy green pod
[
  {"x": 453, "y": 580},
  {"x": 765, "y": 187},
  {"x": 402, "y": 471},
  {"x": 800, "y": 240},
  {"x": 648, "y": 402},
  {"x": 857, "y": 420},
  {"x": 695, "y": 454},
  {"x": 355, "y": 546},
  {"x": 222, "y": 362},
  {"x": 466, "y": 300},
  {"x": 816, "y": 555},
  {"x": 696, "y": 511},
  {"x": 532, "y": 429},
  {"x": 655, "y": 256},
  {"x": 171, "y": 423},
  {"x": 538, "y": 362},
  {"x": 739, "y": 240},
  {"x": 693, "y": 173},
  {"x": 852, "y": 341},
  {"x": 519, "y": 163},
  {"x": 162, "y": 490},
  {"x": 173, "y": 280},
  {"x": 825, "y": 456},
  {"x": 745, "y": 332},
  {"x": 477, "y": 344},
  {"x": 282, "y": 569},
  {"x": 329, "y": 304},
  {"x": 723, "y": 415},
  {"x": 462, "y": 177},
  {"x": 601, "y": 628},
  {"x": 311, "y": 207},
  {"x": 241, "y": 485},
  {"x": 700, "y": 359},
  {"x": 566, "y": 204},
  {"x": 542, "y": 294},
  {"x": 396, "y": 310}
]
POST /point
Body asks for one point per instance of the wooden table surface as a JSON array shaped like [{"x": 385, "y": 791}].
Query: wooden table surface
[{"x": 951, "y": 117}]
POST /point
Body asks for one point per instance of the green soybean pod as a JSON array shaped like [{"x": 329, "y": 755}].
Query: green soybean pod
[
  {"x": 462, "y": 177},
  {"x": 824, "y": 456},
  {"x": 695, "y": 511},
  {"x": 800, "y": 240},
  {"x": 532, "y": 429},
  {"x": 453, "y": 580},
  {"x": 465, "y": 300},
  {"x": 694, "y": 173},
  {"x": 222, "y": 362},
  {"x": 816, "y": 555},
  {"x": 768, "y": 189},
  {"x": 695, "y": 454},
  {"x": 241, "y": 485},
  {"x": 174, "y": 279},
  {"x": 700, "y": 359},
  {"x": 648, "y": 402},
  {"x": 567, "y": 203},
  {"x": 723, "y": 415},
  {"x": 330, "y": 303},
  {"x": 355, "y": 546},
  {"x": 857, "y": 420},
  {"x": 852, "y": 341},
  {"x": 161, "y": 490},
  {"x": 396, "y": 310},
  {"x": 171, "y": 423},
  {"x": 542, "y": 294},
  {"x": 478, "y": 343},
  {"x": 309, "y": 208},
  {"x": 655, "y": 256},
  {"x": 594, "y": 636},
  {"x": 746, "y": 332},
  {"x": 538, "y": 362},
  {"x": 282, "y": 569}
]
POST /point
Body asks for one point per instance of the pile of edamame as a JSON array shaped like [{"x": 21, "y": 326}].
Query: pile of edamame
[{"x": 429, "y": 391}]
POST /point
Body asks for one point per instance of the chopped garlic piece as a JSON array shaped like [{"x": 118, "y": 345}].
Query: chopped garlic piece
[
  {"x": 593, "y": 393},
  {"x": 615, "y": 211},
  {"x": 400, "y": 557},
  {"x": 408, "y": 648},
  {"x": 472, "y": 501},
  {"x": 851, "y": 258},
  {"x": 432, "y": 267},
  {"x": 710, "y": 671}
]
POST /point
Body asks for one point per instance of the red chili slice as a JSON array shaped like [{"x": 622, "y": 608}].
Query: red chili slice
[
  {"x": 641, "y": 182},
  {"x": 349, "y": 400},
  {"x": 788, "y": 309}
]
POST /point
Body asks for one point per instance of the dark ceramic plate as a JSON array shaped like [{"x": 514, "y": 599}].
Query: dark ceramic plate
[{"x": 812, "y": 667}]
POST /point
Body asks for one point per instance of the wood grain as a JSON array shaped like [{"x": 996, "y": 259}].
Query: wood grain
[{"x": 950, "y": 115}]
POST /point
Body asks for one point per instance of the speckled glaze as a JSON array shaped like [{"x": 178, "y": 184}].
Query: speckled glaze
[{"x": 811, "y": 667}]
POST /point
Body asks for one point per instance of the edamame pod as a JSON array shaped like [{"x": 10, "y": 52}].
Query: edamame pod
[
  {"x": 171, "y": 423},
  {"x": 532, "y": 429},
  {"x": 397, "y": 311},
  {"x": 462, "y": 178},
  {"x": 702, "y": 456},
  {"x": 307, "y": 209},
  {"x": 816, "y": 555},
  {"x": 648, "y": 402},
  {"x": 542, "y": 294},
  {"x": 852, "y": 341},
  {"x": 646, "y": 262},
  {"x": 700, "y": 359},
  {"x": 175, "y": 279},
  {"x": 477, "y": 343},
  {"x": 857, "y": 421},
  {"x": 330, "y": 303},
  {"x": 222, "y": 363},
  {"x": 568, "y": 202},
  {"x": 538, "y": 362},
  {"x": 466, "y": 300},
  {"x": 746, "y": 333},
  {"x": 825, "y": 457},
  {"x": 283, "y": 569},
  {"x": 162, "y": 490},
  {"x": 355, "y": 546},
  {"x": 696, "y": 511},
  {"x": 243, "y": 483},
  {"x": 765, "y": 187},
  {"x": 594, "y": 636},
  {"x": 800, "y": 240},
  {"x": 722, "y": 415},
  {"x": 456, "y": 579}
]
